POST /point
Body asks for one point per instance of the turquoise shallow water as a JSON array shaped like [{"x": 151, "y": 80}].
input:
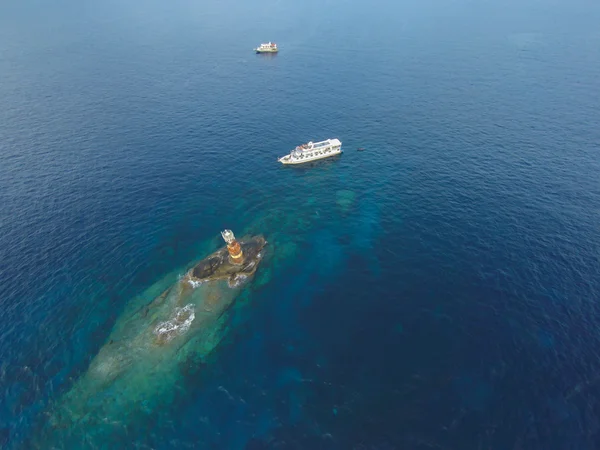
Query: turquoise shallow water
[{"x": 437, "y": 290}]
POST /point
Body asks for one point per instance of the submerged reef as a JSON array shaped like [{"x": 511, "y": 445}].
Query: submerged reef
[
  {"x": 345, "y": 200},
  {"x": 137, "y": 368},
  {"x": 166, "y": 336}
]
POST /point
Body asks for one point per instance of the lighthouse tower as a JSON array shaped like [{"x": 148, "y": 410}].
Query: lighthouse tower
[{"x": 233, "y": 247}]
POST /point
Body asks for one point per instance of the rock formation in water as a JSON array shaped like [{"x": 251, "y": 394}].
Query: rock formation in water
[{"x": 234, "y": 263}]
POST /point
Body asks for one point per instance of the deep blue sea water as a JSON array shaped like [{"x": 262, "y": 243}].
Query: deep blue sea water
[{"x": 439, "y": 290}]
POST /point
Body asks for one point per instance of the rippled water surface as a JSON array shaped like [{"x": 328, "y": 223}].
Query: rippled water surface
[{"x": 438, "y": 290}]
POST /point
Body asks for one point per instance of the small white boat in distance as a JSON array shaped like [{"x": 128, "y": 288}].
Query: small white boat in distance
[
  {"x": 312, "y": 151},
  {"x": 269, "y": 47}
]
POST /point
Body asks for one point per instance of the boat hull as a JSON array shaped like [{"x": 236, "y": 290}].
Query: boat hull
[
  {"x": 292, "y": 161},
  {"x": 266, "y": 51}
]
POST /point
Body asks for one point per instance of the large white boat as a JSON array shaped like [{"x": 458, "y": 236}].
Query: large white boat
[
  {"x": 312, "y": 151},
  {"x": 269, "y": 47}
]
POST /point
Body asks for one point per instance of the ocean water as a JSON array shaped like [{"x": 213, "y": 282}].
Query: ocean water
[{"x": 438, "y": 290}]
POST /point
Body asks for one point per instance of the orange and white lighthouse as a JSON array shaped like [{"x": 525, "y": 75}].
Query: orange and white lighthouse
[{"x": 233, "y": 247}]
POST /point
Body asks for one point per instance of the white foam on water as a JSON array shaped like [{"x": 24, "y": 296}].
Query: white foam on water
[
  {"x": 237, "y": 281},
  {"x": 194, "y": 283},
  {"x": 178, "y": 324}
]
